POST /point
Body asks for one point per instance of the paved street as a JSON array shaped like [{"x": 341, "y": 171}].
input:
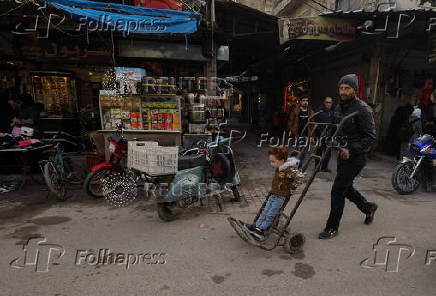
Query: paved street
[{"x": 201, "y": 253}]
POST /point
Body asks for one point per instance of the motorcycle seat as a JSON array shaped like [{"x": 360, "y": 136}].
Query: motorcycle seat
[{"x": 191, "y": 161}]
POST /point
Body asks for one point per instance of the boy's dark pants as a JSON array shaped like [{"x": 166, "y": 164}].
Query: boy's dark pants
[{"x": 343, "y": 188}]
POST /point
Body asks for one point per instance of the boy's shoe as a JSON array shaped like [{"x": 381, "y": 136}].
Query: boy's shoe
[
  {"x": 256, "y": 232},
  {"x": 328, "y": 233},
  {"x": 370, "y": 216},
  {"x": 249, "y": 227}
]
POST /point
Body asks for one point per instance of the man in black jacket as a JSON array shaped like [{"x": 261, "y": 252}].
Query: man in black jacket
[{"x": 359, "y": 134}]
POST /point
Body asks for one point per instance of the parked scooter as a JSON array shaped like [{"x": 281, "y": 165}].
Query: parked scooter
[
  {"x": 407, "y": 174},
  {"x": 194, "y": 157},
  {"x": 209, "y": 170}
]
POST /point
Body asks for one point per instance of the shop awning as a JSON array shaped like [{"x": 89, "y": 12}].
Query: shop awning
[{"x": 128, "y": 19}]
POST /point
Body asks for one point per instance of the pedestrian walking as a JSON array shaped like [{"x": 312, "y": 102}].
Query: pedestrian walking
[
  {"x": 297, "y": 121},
  {"x": 359, "y": 134},
  {"x": 326, "y": 115}
]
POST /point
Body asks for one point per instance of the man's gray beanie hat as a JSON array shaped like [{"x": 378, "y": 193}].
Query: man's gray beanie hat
[{"x": 351, "y": 80}]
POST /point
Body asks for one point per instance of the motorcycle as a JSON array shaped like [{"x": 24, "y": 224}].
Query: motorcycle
[
  {"x": 203, "y": 171},
  {"x": 407, "y": 174},
  {"x": 197, "y": 157},
  {"x": 93, "y": 184}
]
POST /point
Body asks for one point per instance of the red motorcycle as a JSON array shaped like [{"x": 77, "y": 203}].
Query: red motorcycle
[{"x": 93, "y": 184}]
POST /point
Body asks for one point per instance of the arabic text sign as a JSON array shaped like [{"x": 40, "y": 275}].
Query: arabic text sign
[{"x": 318, "y": 28}]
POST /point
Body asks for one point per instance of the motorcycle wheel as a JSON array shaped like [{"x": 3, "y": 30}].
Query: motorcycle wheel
[
  {"x": 164, "y": 212},
  {"x": 93, "y": 184},
  {"x": 54, "y": 181},
  {"x": 401, "y": 181}
]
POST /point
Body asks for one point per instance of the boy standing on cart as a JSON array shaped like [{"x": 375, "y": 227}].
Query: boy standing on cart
[
  {"x": 284, "y": 184},
  {"x": 359, "y": 134}
]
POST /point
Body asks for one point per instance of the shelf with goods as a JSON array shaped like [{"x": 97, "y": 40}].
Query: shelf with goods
[
  {"x": 160, "y": 105},
  {"x": 57, "y": 93},
  {"x": 161, "y": 113},
  {"x": 116, "y": 109},
  {"x": 7, "y": 79},
  {"x": 139, "y": 112},
  {"x": 215, "y": 107}
]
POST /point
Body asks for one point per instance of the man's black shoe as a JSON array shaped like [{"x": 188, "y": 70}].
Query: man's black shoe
[
  {"x": 370, "y": 216},
  {"x": 328, "y": 233}
]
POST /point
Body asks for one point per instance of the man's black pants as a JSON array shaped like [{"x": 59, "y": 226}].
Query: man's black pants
[{"x": 343, "y": 188}]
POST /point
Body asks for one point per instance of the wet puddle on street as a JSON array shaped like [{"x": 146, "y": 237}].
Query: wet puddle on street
[
  {"x": 49, "y": 220},
  {"x": 304, "y": 271},
  {"x": 269, "y": 272}
]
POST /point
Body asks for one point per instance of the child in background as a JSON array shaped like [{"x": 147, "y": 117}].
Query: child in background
[{"x": 284, "y": 184}]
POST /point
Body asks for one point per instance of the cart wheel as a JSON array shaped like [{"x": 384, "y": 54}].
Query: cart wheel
[
  {"x": 164, "y": 213},
  {"x": 294, "y": 243}
]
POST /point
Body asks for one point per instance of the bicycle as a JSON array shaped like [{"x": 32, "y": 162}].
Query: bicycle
[{"x": 59, "y": 170}]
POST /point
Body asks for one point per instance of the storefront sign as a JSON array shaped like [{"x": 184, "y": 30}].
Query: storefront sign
[
  {"x": 160, "y": 50},
  {"x": 317, "y": 28},
  {"x": 69, "y": 51}
]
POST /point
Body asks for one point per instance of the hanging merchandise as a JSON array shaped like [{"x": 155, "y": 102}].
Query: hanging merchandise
[
  {"x": 293, "y": 91},
  {"x": 426, "y": 92}
]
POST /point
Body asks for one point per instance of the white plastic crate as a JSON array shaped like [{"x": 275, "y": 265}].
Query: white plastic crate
[
  {"x": 153, "y": 159},
  {"x": 198, "y": 128}
]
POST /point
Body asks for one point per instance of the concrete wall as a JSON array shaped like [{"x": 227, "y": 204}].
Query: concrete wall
[
  {"x": 300, "y": 8},
  {"x": 262, "y": 5}
]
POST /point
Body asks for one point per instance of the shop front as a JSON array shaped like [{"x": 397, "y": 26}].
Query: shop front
[
  {"x": 394, "y": 61},
  {"x": 63, "y": 74},
  {"x": 140, "y": 111}
]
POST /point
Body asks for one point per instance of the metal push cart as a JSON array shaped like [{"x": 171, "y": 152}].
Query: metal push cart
[{"x": 291, "y": 242}]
